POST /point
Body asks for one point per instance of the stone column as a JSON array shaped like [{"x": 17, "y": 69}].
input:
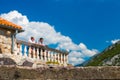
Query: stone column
[
  {"x": 20, "y": 50},
  {"x": 45, "y": 59},
  {"x": 64, "y": 59},
  {"x": 25, "y": 51},
  {"x": 13, "y": 41},
  {"x": 38, "y": 57},
  {"x": 29, "y": 53},
  {"x": 58, "y": 55},
  {"x": 55, "y": 57},
  {"x": 48, "y": 55},
  {"x": 41, "y": 54},
  {"x": 52, "y": 56},
  {"x": 61, "y": 58},
  {"x": 33, "y": 53}
]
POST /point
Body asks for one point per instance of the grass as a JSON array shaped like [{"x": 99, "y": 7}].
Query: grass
[{"x": 52, "y": 62}]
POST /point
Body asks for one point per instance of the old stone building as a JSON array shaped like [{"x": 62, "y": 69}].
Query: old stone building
[{"x": 8, "y": 30}]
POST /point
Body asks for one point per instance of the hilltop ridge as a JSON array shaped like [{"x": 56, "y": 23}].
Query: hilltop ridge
[{"x": 109, "y": 57}]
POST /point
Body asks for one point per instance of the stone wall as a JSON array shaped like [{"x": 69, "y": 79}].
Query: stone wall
[
  {"x": 60, "y": 73},
  {"x": 5, "y": 40},
  {"x": 14, "y": 68}
]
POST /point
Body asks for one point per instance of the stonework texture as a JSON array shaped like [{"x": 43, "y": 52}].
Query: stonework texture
[
  {"x": 5, "y": 40},
  {"x": 60, "y": 73}
]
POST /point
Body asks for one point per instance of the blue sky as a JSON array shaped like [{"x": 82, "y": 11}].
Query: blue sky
[{"x": 92, "y": 22}]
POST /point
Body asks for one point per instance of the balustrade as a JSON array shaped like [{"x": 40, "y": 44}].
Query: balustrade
[{"x": 38, "y": 52}]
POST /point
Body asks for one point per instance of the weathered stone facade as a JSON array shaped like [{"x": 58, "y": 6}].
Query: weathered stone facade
[
  {"x": 8, "y": 30},
  {"x": 5, "y": 40}
]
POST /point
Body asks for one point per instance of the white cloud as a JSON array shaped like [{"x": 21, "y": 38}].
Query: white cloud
[
  {"x": 16, "y": 17},
  {"x": 114, "y": 41},
  {"x": 51, "y": 36},
  {"x": 86, "y": 51},
  {"x": 75, "y": 57}
]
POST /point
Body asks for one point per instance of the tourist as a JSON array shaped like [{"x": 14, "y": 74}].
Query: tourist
[
  {"x": 41, "y": 42},
  {"x": 32, "y": 40}
]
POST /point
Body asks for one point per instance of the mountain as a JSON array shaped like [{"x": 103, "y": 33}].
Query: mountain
[{"x": 109, "y": 57}]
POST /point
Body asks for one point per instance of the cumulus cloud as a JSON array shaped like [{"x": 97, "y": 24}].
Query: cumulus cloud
[
  {"x": 51, "y": 36},
  {"x": 16, "y": 17},
  {"x": 86, "y": 51},
  {"x": 76, "y": 57},
  {"x": 114, "y": 41}
]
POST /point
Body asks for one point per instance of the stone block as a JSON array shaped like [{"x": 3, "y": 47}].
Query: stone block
[
  {"x": 0, "y": 40},
  {"x": 3, "y": 46},
  {"x": 9, "y": 41},
  {"x": 3, "y": 38},
  {"x": 8, "y": 47}
]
